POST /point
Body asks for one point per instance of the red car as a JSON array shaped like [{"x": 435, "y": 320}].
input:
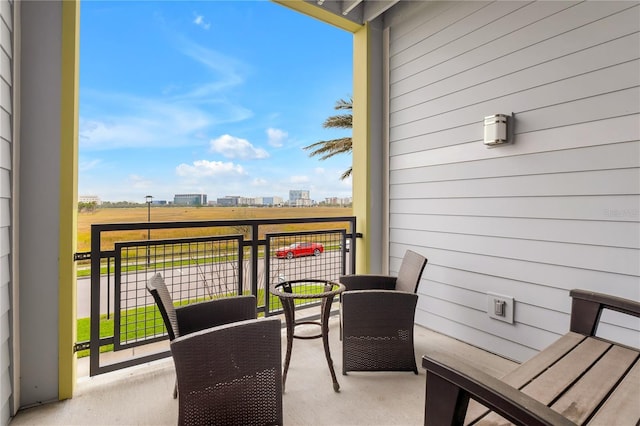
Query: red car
[{"x": 299, "y": 249}]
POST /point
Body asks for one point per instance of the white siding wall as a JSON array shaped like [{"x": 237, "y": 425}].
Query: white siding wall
[
  {"x": 6, "y": 139},
  {"x": 557, "y": 210}
]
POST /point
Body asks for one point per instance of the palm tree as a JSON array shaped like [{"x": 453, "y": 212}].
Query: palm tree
[{"x": 327, "y": 149}]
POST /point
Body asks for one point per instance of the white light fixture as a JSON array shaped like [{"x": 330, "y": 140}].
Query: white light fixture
[{"x": 496, "y": 130}]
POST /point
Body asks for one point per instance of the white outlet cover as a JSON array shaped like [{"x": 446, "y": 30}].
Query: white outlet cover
[{"x": 508, "y": 309}]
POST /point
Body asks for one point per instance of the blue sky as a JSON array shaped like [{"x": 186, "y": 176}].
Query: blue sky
[{"x": 214, "y": 97}]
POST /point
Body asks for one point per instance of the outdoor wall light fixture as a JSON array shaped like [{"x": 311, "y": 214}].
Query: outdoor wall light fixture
[{"x": 496, "y": 129}]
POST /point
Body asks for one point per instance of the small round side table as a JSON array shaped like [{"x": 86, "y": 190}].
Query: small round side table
[{"x": 288, "y": 292}]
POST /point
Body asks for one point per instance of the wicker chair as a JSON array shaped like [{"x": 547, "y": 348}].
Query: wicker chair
[
  {"x": 230, "y": 374},
  {"x": 378, "y": 316},
  {"x": 194, "y": 317}
]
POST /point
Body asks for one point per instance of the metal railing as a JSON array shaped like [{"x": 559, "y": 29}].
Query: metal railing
[{"x": 199, "y": 261}]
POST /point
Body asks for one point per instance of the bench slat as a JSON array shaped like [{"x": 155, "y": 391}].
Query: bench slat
[
  {"x": 553, "y": 382},
  {"x": 623, "y": 402},
  {"x": 541, "y": 361},
  {"x": 526, "y": 372},
  {"x": 585, "y": 396}
]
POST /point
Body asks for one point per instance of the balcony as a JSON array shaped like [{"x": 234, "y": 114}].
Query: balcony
[
  {"x": 130, "y": 385},
  {"x": 142, "y": 394}
]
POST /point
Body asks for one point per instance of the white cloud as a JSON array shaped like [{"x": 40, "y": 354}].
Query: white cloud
[
  {"x": 259, "y": 182},
  {"x": 233, "y": 147},
  {"x": 199, "y": 21},
  {"x": 205, "y": 168},
  {"x": 276, "y": 137},
  {"x": 319, "y": 170}
]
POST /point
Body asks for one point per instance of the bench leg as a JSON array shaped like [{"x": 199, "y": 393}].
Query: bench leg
[{"x": 446, "y": 404}]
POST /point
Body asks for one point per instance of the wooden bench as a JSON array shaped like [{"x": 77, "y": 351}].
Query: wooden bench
[{"x": 579, "y": 379}]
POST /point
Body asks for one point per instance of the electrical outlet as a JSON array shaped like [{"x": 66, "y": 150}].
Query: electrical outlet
[{"x": 500, "y": 307}]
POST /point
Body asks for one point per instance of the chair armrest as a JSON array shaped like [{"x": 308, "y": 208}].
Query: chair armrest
[
  {"x": 211, "y": 313},
  {"x": 451, "y": 382},
  {"x": 368, "y": 282},
  {"x": 377, "y": 310},
  {"x": 587, "y": 306}
]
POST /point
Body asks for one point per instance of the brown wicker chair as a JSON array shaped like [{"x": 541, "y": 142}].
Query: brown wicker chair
[
  {"x": 187, "y": 319},
  {"x": 378, "y": 316},
  {"x": 230, "y": 374}
]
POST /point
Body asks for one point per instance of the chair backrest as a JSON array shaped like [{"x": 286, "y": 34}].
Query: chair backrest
[
  {"x": 230, "y": 374},
  {"x": 160, "y": 293},
  {"x": 410, "y": 271}
]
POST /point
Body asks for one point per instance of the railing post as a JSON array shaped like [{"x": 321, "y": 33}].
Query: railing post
[
  {"x": 94, "y": 343},
  {"x": 255, "y": 237}
]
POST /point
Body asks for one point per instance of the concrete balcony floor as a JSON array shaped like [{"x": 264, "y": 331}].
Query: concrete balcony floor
[{"x": 142, "y": 395}]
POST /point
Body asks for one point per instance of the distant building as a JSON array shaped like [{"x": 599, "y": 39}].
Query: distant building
[
  {"x": 89, "y": 199},
  {"x": 299, "y": 198},
  {"x": 228, "y": 201},
  {"x": 272, "y": 201},
  {"x": 190, "y": 199},
  {"x": 337, "y": 201}
]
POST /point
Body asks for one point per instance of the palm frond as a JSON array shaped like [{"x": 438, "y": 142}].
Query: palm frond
[
  {"x": 344, "y": 121},
  {"x": 346, "y": 174},
  {"x": 327, "y": 149},
  {"x": 344, "y": 104}
]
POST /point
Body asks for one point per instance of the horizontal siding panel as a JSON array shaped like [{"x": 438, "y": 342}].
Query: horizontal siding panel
[
  {"x": 4, "y": 350},
  {"x": 624, "y": 208},
  {"x": 5, "y": 36},
  {"x": 611, "y": 131},
  {"x": 420, "y": 23},
  {"x": 522, "y": 49},
  {"x": 579, "y": 183},
  {"x": 609, "y": 329},
  {"x": 594, "y": 258},
  {"x": 4, "y": 270},
  {"x": 4, "y": 298},
  {"x": 620, "y": 104},
  {"x": 5, "y": 241},
  {"x": 5, "y": 212},
  {"x": 5, "y": 125},
  {"x": 5, "y": 66},
  {"x": 591, "y": 84},
  {"x": 554, "y": 299},
  {"x": 471, "y": 22},
  {"x": 522, "y": 334},
  {"x": 5, "y": 154},
  {"x": 5, "y": 183},
  {"x": 602, "y": 157},
  {"x": 525, "y": 312},
  {"x": 595, "y": 60},
  {"x": 612, "y": 234},
  {"x": 439, "y": 280},
  {"x": 479, "y": 338},
  {"x": 415, "y": 16},
  {"x": 555, "y": 276},
  {"x": 6, "y": 13},
  {"x": 5, "y": 96}
]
